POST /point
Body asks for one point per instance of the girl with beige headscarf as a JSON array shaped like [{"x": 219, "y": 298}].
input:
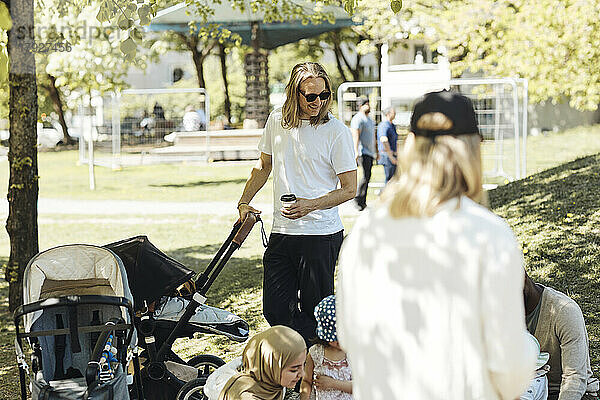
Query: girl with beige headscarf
[{"x": 272, "y": 360}]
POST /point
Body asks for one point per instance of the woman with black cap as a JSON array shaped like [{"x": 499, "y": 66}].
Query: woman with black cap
[{"x": 430, "y": 302}]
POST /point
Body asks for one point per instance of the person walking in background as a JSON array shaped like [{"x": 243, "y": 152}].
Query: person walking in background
[
  {"x": 387, "y": 139},
  {"x": 271, "y": 361},
  {"x": 327, "y": 373},
  {"x": 310, "y": 152},
  {"x": 363, "y": 133},
  {"x": 430, "y": 283}
]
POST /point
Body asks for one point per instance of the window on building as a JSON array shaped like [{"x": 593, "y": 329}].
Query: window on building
[
  {"x": 177, "y": 75},
  {"x": 401, "y": 54}
]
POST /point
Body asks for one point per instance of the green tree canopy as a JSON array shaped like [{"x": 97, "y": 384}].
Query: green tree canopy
[
  {"x": 5, "y": 25},
  {"x": 555, "y": 44}
]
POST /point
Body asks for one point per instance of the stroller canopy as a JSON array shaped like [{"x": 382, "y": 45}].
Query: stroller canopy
[
  {"x": 76, "y": 269},
  {"x": 152, "y": 274}
]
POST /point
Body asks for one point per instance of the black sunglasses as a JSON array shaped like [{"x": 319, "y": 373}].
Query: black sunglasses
[{"x": 313, "y": 96}]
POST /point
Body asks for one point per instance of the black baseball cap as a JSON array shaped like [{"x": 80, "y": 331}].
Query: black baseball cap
[{"x": 455, "y": 106}]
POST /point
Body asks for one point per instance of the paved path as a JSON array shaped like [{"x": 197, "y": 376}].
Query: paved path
[{"x": 130, "y": 207}]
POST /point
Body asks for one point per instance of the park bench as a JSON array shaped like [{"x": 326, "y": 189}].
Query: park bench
[{"x": 234, "y": 144}]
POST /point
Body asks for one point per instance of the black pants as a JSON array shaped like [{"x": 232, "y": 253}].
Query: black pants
[
  {"x": 363, "y": 186},
  {"x": 299, "y": 273}
]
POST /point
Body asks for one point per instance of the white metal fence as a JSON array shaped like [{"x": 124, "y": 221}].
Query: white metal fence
[
  {"x": 129, "y": 127},
  {"x": 500, "y": 105}
]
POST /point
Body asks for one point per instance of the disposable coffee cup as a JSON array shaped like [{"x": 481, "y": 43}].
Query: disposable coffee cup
[{"x": 287, "y": 200}]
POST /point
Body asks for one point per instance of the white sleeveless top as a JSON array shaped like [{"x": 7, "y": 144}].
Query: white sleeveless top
[{"x": 339, "y": 370}]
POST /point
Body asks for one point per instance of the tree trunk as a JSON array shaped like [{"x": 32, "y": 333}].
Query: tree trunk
[
  {"x": 356, "y": 70},
  {"x": 225, "y": 84},
  {"x": 340, "y": 57},
  {"x": 57, "y": 103},
  {"x": 199, "y": 63},
  {"x": 21, "y": 224},
  {"x": 378, "y": 57},
  {"x": 191, "y": 41},
  {"x": 337, "y": 50}
]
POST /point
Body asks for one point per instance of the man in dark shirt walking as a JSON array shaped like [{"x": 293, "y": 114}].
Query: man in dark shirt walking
[{"x": 386, "y": 143}]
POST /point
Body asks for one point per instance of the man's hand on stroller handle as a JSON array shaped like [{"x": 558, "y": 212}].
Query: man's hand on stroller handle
[
  {"x": 244, "y": 209},
  {"x": 245, "y": 227}
]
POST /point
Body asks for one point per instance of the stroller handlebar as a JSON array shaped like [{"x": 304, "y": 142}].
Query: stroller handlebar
[
  {"x": 238, "y": 234},
  {"x": 245, "y": 228}
]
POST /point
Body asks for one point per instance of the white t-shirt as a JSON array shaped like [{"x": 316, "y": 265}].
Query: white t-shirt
[
  {"x": 306, "y": 161},
  {"x": 432, "y": 308}
]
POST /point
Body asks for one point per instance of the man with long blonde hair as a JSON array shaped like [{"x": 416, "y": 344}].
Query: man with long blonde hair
[
  {"x": 309, "y": 152},
  {"x": 430, "y": 302}
]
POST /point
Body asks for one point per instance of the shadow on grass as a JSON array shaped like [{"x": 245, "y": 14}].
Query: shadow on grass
[
  {"x": 240, "y": 275},
  {"x": 556, "y": 217},
  {"x": 555, "y": 214},
  {"x": 201, "y": 183},
  {"x": 189, "y": 256},
  {"x": 6, "y": 319},
  {"x": 9, "y": 373}
]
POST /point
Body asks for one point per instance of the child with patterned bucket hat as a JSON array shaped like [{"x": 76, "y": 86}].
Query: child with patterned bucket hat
[{"x": 327, "y": 372}]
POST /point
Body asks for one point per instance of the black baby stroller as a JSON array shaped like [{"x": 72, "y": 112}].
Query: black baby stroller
[
  {"x": 78, "y": 320},
  {"x": 162, "y": 314},
  {"x": 168, "y": 313}
]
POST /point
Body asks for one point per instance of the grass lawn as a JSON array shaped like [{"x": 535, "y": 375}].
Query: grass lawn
[
  {"x": 61, "y": 177},
  {"x": 555, "y": 215}
]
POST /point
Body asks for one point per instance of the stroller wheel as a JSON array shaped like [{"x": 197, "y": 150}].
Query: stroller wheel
[
  {"x": 206, "y": 364},
  {"x": 193, "y": 390}
]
